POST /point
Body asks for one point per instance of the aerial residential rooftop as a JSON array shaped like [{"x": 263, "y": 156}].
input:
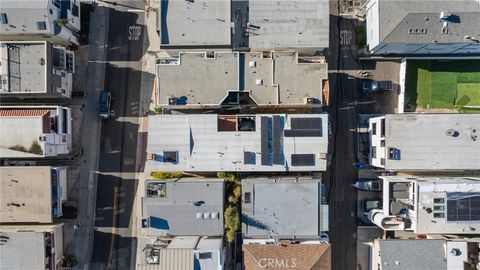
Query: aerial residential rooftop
[
  {"x": 233, "y": 78},
  {"x": 262, "y": 142},
  {"x": 283, "y": 208},
  {"x": 430, "y": 205},
  {"x": 392, "y": 25},
  {"x": 194, "y": 23},
  {"x": 288, "y": 24},
  {"x": 31, "y": 246},
  {"x": 287, "y": 255},
  {"x": 26, "y": 194},
  {"x": 38, "y": 21},
  {"x": 30, "y": 132},
  {"x": 425, "y": 141},
  {"x": 23, "y": 67},
  {"x": 35, "y": 67},
  {"x": 185, "y": 207},
  {"x": 407, "y": 254}
]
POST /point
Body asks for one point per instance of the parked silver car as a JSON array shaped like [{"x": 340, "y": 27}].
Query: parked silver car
[{"x": 369, "y": 184}]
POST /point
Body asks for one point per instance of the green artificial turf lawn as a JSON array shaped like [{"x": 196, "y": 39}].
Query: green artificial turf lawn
[
  {"x": 468, "y": 94},
  {"x": 437, "y": 84}
]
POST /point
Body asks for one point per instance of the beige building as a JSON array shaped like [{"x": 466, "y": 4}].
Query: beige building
[
  {"x": 35, "y": 131},
  {"x": 32, "y": 194}
]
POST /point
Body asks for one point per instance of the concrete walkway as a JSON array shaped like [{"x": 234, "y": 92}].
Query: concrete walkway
[{"x": 91, "y": 134}]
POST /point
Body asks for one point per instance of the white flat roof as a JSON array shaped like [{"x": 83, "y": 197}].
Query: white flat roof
[
  {"x": 26, "y": 194},
  {"x": 274, "y": 145},
  {"x": 199, "y": 23},
  {"x": 459, "y": 197},
  {"x": 424, "y": 144},
  {"x": 283, "y": 207},
  {"x": 280, "y": 78},
  {"x": 20, "y": 130},
  {"x": 23, "y": 66},
  {"x": 25, "y": 246},
  {"x": 288, "y": 24}
]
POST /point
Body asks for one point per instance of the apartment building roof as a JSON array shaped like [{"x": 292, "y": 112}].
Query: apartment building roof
[
  {"x": 287, "y": 24},
  {"x": 20, "y": 130},
  {"x": 26, "y": 194},
  {"x": 18, "y": 23},
  {"x": 287, "y": 255},
  {"x": 397, "y": 17},
  {"x": 186, "y": 207},
  {"x": 25, "y": 245},
  {"x": 232, "y": 78},
  {"x": 428, "y": 28},
  {"x": 211, "y": 143},
  {"x": 194, "y": 23},
  {"x": 432, "y": 141},
  {"x": 399, "y": 254},
  {"x": 23, "y": 67},
  {"x": 283, "y": 208},
  {"x": 439, "y": 204}
]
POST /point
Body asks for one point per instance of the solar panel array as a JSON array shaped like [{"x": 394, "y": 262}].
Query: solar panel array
[
  {"x": 305, "y": 127},
  {"x": 265, "y": 149},
  {"x": 303, "y": 159},
  {"x": 277, "y": 143},
  {"x": 463, "y": 206}
]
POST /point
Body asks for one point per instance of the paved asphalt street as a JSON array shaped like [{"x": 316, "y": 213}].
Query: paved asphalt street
[
  {"x": 342, "y": 173},
  {"x": 114, "y": 247}
]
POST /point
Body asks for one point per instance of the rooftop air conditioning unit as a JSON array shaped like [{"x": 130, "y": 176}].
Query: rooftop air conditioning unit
[
  {"x": 308, "y": 100},
  {"x": 445, "y": 15}
]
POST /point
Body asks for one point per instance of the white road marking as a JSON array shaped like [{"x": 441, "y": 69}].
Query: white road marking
[{"x": 134, "y": 32}]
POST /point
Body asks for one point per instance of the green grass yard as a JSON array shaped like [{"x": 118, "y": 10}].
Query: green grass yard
[{"x": 443, "y": 85}]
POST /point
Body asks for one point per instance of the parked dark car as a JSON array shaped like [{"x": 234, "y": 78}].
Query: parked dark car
[
  {"x": 105, "y": 104},
  {"x": 373, "y": 86},
  {"x": 369, "y": 184}
]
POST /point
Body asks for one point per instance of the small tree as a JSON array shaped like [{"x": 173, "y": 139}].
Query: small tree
[
  {"x": 69, "y": 261},
  {"x": 222, "y": 175},
  {"x": 232, "y": 222},
  {"x": 158, "y": 110},
  {"x": 18, "y": 147},
  {"x": 35, "y": 148},
  {"x": 237, "y": 192}
]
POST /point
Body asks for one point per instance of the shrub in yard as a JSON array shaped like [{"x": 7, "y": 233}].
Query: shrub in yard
[
  {"x": 237, "y": 192},
  {"x": 166, "y": 175},
  {"x": 69, "y": 261},
  {"x": 361, "y": 35},
  {"x": 230, "y": 177},
  {"x": 35, "y": 148},
  {"x": 158, "y": 110},
  {"x": 221, "y": 175},
  {"x": 230, "y": 235},
  {"x": 18, "y": 147},
  {"x": 232, "y": 222}
]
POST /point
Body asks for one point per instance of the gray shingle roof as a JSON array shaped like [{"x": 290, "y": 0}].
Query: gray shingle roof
[
  {"x": 392, "y": 13},
  {"x": 427, "y": 28},
  {"x": 412, "y": 254}
]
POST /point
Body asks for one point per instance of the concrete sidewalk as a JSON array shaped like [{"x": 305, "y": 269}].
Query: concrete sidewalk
[
  {"x": 91, "y": 128},
  {"x": 147, "y": 88}
]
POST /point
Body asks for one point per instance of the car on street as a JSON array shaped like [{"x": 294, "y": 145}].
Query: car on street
[
  {"x": 373, "y": 86},
  {"x": 369, "y": 204},
  {"x": 369, "y": 184},
  {"x": 105, "y": 104}
]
